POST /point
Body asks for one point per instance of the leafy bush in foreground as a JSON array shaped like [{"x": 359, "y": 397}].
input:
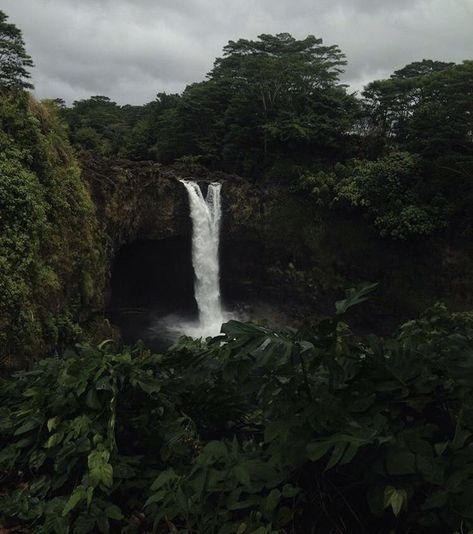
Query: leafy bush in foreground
[{"x": 255, "y": 431}]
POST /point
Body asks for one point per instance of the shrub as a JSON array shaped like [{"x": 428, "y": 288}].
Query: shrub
[{"x": 253, "y": 431}]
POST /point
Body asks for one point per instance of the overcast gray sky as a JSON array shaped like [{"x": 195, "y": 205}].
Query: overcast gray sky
[{"x": 132, "y": 49}]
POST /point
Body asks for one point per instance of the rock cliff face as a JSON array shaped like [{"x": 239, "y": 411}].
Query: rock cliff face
[
  {"x": 274, "y": 246},
  {"x": 143, "y": 210},
  {"x": 145, "y": 201},
  {"x": 135, "y": 200}
]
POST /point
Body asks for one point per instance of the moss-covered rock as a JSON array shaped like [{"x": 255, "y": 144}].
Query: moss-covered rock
[{"x": 51, "y": 254}]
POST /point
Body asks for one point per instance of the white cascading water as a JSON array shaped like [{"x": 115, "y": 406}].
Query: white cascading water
[{"x": 206, "y": 214}]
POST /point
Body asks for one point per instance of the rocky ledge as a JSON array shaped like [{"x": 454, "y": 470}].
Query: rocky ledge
[{"x": 144, "y": 200}]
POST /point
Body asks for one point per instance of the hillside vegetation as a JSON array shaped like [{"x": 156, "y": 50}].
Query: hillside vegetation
[{"x": 51, "y": 252}]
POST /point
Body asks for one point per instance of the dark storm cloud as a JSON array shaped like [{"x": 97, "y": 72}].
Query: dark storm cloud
[{"x": 132, "y": 49}]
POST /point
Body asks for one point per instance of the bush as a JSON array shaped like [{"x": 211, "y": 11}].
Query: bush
[
  {"x": 390, "y": 192},
  {"x": 253, "y": 431}
]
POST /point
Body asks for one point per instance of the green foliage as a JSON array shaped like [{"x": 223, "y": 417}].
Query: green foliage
[
  {"x": 69, "y": 435},
  {"x": 103, "y": 127},
  {"x": 267, "y": 104},
  {"x": 254, "y": 431},
  {"x": 426, "y": 109},
  {"x": 424, "y": 106},
  {"x": 14, "y": 61},
  {"x": 388, "y": 191},
  {"x": 415, "y": 136},
  {"x": 392, "y": 103},
  {"x": 49, "y": 251},
  {"x": 96, "y": 124}
]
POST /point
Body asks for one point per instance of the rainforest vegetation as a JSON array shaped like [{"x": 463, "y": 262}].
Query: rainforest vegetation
[{"x": 334, "y": 425}]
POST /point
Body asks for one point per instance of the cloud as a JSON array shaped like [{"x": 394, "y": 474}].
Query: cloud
[{"x": 132, "y": 49}]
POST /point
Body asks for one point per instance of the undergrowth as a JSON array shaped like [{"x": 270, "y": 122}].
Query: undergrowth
[{"x": 255, "y": 431}]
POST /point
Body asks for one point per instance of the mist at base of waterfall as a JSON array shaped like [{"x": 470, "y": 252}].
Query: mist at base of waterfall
[
  {"x": 173, "y": 326},
  {"x": 159, "y": 330}
]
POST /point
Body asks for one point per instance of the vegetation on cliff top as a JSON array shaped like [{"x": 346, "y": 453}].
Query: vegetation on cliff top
[{"x": 274, "y": 109}]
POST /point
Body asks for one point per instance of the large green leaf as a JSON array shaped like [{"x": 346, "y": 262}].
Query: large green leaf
[
  {"x": 395, "y": 498},
  {"x": 355, "y": 296},
  {"x": 100, "y": 471}
]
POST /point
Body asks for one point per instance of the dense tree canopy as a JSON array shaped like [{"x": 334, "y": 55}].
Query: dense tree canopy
[
  {"x": 274, "y": 108},
  {"x": 267, "y": 105},
  {"x": 288, "y": 82},
  {"x": 102, "y": 126},
  {"x": 14, "y": 61},
  {"x": 426, "y": 105},
  {"x": 426, "y": 109}
]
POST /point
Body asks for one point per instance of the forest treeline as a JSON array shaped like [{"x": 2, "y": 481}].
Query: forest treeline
[{"x": 275, "y": 109}]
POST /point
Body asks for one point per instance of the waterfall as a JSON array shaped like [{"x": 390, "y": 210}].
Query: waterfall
[{"x": 206, "y": 215}]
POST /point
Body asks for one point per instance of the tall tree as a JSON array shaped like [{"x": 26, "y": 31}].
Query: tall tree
[
  {"x": 14, "y": 61},
  {"x": 290, "y": 88},
  {"x": 391, "y": 103},
  {"x": 268, "y": 105}
]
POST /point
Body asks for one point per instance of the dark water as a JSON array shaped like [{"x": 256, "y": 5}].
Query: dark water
[{"x": 150, "y": 326}]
